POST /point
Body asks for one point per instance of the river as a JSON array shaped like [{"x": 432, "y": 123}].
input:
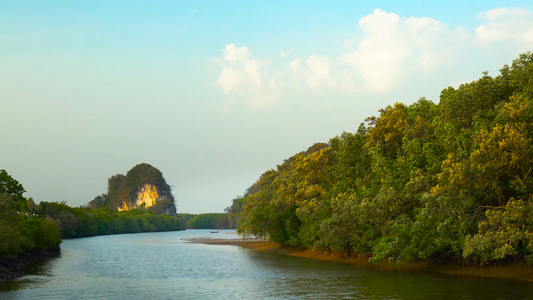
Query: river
[{"x": 163, "y": 265}]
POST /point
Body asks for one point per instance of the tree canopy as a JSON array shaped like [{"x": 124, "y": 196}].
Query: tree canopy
[
  {"x": 25, "y": 225},
  {"x": 20, "y": 229},
  {"x": 11, "y": 186},
  {"x": 444, "y": 181}
]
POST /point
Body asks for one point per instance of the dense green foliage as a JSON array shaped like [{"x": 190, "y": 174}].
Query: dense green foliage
[
  {"x": 208, "y": 221},
  {"x": 11, "y": 186},
  {"x": 20, "y": 229},
  {"x": 234, "y": 212},
  {"x": 25, "y": 226},
  {"x": 122, "y": 190},
  {"x": 442, "y": 181},
  {"x": 79, "y": 222},
  {"x": 185, "y": 218}
]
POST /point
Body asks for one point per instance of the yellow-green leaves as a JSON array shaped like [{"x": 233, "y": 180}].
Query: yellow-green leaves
[
  {"x": 421, "y": 181},
  {"x": 502, "y": 163},
  {"x": 386, "y": 132},
  {"x": 506, "y": 232}
]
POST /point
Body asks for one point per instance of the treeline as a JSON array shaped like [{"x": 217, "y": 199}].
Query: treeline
[
  {"x": 206, "y": 221},
  {"x": 25, "y": 225},
  {"x": 20, "y": 229},
  {"x": 76, "y": 222},
  {"x": 446, "y": 181}
]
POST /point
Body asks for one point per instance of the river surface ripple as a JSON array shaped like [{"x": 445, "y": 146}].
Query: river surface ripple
[{"x": 163, "y": 265}]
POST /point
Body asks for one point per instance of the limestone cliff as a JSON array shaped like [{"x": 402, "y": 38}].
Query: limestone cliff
[
  {"x": 146, "y": 197},
  {"x": 142, "y": 187}
]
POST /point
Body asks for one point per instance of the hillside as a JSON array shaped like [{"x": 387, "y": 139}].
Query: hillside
[{"x": 142, "y": 187}]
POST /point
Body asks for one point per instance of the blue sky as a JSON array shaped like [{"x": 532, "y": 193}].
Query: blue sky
[{"x": 214, "y": 93}]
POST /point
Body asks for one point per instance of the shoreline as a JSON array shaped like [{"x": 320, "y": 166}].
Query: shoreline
[
  {"x": 14, "y": 267},
  {"x": 520, "y": 273}
]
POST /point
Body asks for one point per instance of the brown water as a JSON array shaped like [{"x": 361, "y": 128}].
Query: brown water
[{"x": 164, "y": 266}]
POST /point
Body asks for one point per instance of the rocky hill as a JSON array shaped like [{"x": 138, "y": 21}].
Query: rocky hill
[{"x": 142, "y": 187}]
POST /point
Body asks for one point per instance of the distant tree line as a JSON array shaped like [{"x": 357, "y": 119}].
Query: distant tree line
[
  {"x": 25, "y": 225},
  {"x": 80, "y": 222},
  {"x": 206, "y": 221},
  {"x": 441, "y": 182}
]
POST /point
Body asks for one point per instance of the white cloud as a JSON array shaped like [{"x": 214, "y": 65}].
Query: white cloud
[
  {"x": 513, "y": 26},
  {"x": 295, "y": 65},
  {"x": 528, "y": 36},
  {"x": 245, "y": 76},
  {"x": 502, "y": 13},
  {"x": 285, "y": 54},
  {"x": 319, "y": 73},
  {"x": 236, "y": 54},
  {"x": 389, "y": 52},
  {"x": 238, "y": 70},
  {"x": 349, "y": 43},
  {"x": 319, "y": 70},
  {"x": 392, "y": 46}
]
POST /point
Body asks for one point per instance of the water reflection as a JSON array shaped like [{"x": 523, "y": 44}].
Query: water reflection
[
  {"x": 164, "y": 266},
  {"x": 303, "y": 278}
]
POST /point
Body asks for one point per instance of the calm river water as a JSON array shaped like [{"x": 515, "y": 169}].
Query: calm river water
[{"x": 164, "y": 266}]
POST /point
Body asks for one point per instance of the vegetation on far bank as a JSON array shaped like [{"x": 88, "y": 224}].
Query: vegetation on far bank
[
  {"x": 26, "y": 226},
  {"x": 208, "y": 221},
  {"x": 451, "y": 181},
  {"x": 81, "y": 222}
]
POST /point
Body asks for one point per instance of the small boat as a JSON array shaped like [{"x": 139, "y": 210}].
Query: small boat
[{"x": 214, "y": 231}]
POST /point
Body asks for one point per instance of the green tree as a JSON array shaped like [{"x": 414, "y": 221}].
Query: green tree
[
  {"x": 507, "y": 232},
  {"x": 11, "y": 186},
  {"x": 208, "y": 221},
  {"x": 424, "y": 181},
  {"x": 385, "y": 133},
  {"x": 12, "y": 241}
]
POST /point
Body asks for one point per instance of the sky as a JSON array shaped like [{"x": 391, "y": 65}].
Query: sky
[{"x": 215, "y": 93}]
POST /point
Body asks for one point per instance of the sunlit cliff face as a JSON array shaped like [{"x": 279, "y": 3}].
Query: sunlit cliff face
[
  {"x": 124, "y": 207},
  {"x": 147, "y": 196}
]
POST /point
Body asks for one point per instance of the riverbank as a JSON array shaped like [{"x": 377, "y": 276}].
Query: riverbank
[
  {"x": 13, "y": 267},
  {"x": 508, "y": 272}
]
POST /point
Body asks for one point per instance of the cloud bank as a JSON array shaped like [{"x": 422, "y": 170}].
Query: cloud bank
[{"x": 389, "y": 51}]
